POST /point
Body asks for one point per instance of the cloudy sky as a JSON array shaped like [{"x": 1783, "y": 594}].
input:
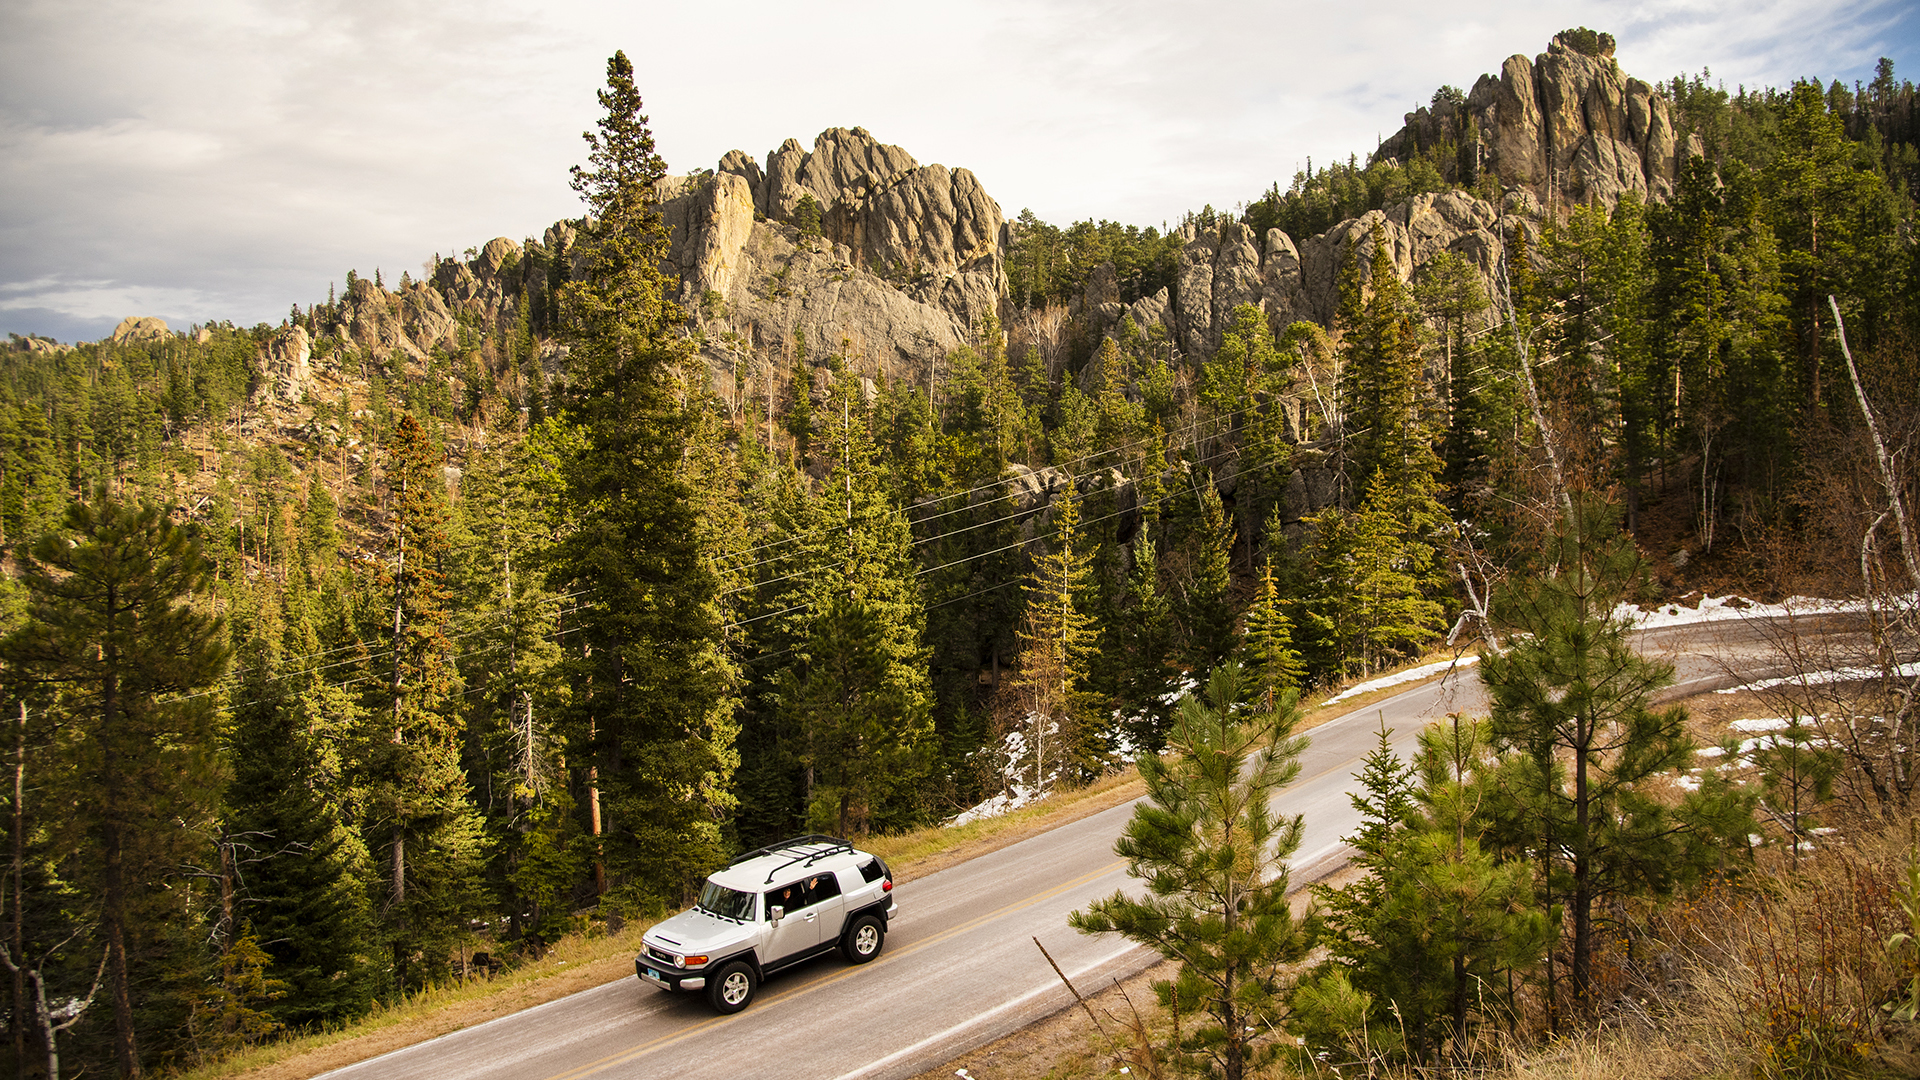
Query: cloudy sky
[{"x": 222, "y": 159}]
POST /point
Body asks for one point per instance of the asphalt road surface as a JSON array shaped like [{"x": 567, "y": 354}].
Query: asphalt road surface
[{"x": 960, "y": 967}]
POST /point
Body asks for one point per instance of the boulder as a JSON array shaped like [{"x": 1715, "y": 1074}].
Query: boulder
[{"x": 137, "y": 328}]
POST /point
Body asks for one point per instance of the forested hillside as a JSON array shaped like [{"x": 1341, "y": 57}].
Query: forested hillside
[{"x": 442, "y": 619}]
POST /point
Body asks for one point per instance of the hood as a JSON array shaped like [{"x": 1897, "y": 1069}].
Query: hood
[{"x": 695, "y": 931}]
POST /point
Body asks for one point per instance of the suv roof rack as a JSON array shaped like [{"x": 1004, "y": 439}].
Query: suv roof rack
[{"x": 834, "y": 846}]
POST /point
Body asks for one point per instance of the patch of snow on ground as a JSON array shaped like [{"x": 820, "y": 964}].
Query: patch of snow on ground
[
  {"x": 1407, "y": 676},
  {"x": 1722, "y": 608},
  {"x": 1817, "y": 678},
  {"x": 1771, "y": 723},
  {"x": 1708, "y": 751},
  {"x": 1016, "y": 777}
]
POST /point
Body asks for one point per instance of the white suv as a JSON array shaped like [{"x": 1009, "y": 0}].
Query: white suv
[{"x": 771, "y": 909}]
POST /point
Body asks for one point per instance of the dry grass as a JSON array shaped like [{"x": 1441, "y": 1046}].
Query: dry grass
[
  {"x": 578, "y": 962},
  {"x": 581, "y": 962},
  {"x": 924, "y": 851}
]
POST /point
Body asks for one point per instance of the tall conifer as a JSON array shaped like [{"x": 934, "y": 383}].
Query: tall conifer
[{"x": 652, "y": 713}]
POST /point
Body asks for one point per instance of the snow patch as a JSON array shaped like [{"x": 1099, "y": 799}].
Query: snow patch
[
  {"x": 1410, "y": 675},
  {"x": 1820, "y": 678}
]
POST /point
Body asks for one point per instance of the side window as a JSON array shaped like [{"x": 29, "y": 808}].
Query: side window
[
  {"x": 791, "y": 897},
  {"x": 870, "y": 872},
  {"x": 822, "y": 886}
]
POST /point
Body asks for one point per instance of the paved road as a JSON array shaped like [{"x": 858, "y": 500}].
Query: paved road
[{"x": 960, "y": 967}]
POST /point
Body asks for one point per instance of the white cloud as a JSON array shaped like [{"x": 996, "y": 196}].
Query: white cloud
[{"x": 236, "y": 155}]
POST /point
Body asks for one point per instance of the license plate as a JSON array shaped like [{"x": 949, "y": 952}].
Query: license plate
[{"x": 652, "y": 974}]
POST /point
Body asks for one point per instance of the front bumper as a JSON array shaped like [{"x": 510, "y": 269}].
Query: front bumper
[{"x": 667, "y": 978}]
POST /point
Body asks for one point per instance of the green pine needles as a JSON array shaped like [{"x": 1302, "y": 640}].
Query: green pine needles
[{"x": 1212, "y": 854}]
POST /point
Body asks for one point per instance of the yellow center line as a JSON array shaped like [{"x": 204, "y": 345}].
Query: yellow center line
[{"x": 621, "y": 1057}]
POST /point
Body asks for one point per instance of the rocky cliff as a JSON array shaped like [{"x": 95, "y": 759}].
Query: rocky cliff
[
  {"x": 895, "y": 265},
  {"x": 859, "y": 250},
  {"x": 1568, "y": 126},
  {"x": 1226, "y": 265}
]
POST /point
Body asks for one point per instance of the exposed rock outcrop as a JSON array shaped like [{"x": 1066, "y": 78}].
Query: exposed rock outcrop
[
  {"x": 1221, "y": 267},
  {"x": 1567, "y": 126},
  {"x": 709, "y": 223},
  {"x": 907, "y": 259},
  {"x": 137, "y": 328},
  {"x": 286, "y": 361},
  {"x": 901, "y": 220}
]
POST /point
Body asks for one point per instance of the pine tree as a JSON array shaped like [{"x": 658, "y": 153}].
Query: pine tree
[
  {"x": 1144, "y": 673},
  {"x": 854, "y": 703},
  {"x": 1057, "y": 639},
  {"x": 421, "y": 811},
  {"x": 299, "y": 874},
  {"x": 1212, "y": 854},
  {"x": 514, "y": 754},
  {"x": 1268, "y": 643},
  {"x": 1572, "y": 712},
  {"x": 1436, "y": 921},
  {"x": 1381, "y": 381},
  {"x": 1204, "y": 608},
  {"x": 652, "y": 711},
  {"x": 113, "y": 629}
]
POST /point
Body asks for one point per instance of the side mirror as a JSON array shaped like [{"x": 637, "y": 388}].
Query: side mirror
[{"x": 776, "y": 913}]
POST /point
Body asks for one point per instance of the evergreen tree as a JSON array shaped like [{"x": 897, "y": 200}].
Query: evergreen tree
[
  {"x": 113, "y": 629},
  {"x": 1572, "y": 711},
  {"x": 1204, "y": 606},
  {"x": 1423, "y": 939},
  {"x": 420, "y": 810},
  {"x": 507, "y": 619},
  {"x": 1057, "y": 639},
  {"x": 652, "y": 709},
  {"x": 1370, "y": 574},
  {"x": 1381, "y": 380},
  {"x": 1212, "y": 854},
  {"x": 1268, "y": 643},
  {"x": 298, "y": 874},
  {"x": 855, "y": 701},
  {"x": 1143, "y": 673}
]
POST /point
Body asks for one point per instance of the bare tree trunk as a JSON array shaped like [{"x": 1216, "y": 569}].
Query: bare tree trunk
[
  {"x": 1887, "y": 477},
  {"x": 1533, "y": 398}
]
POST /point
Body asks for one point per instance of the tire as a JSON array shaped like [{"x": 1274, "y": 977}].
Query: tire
[
  {"x": 731, "y": 988},
  {"x": 863, "y": 940}
]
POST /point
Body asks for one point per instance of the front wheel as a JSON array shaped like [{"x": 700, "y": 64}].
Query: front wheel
[
  {"x": 863, "y": 939},
  {"x": 731, "y": 988}
]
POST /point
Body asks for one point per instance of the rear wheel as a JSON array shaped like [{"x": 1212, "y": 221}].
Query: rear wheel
[
  {"x": 731, "y": 988},
  {"x": 863, "y": 939}
]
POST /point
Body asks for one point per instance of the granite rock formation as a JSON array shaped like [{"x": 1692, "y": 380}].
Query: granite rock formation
[{"x": 1568, "y": 126}]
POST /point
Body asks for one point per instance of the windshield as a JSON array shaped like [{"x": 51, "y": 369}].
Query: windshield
[{"x": 726, "y": 903}]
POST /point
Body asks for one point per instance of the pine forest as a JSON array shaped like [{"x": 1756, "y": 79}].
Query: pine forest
[{"x": 338, "y": 666}]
